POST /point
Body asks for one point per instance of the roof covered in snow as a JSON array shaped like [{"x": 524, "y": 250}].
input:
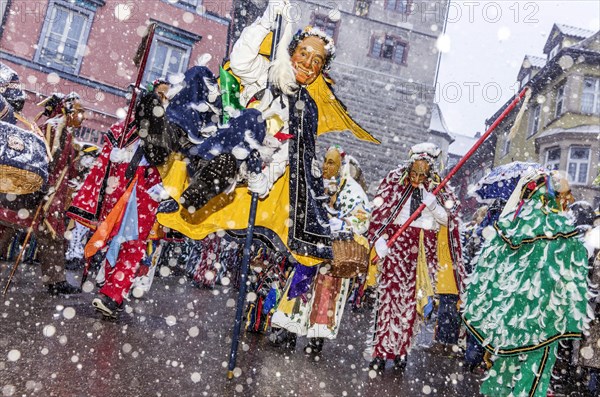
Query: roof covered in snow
[
  {"x": 437, "y": 122},
  {"x": 574, "y": 31},
  {"x": 534, "y": 61},
  {"x": 461, "y": 144},
  {"x": 582, "y": 129}
]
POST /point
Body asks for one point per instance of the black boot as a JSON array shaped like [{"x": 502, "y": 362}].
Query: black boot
[
  {"x": 168, "y": 206},
  {"x": 106, "y": 306},
  {"x": 212, "y": 179},
  {"x": 400, "y": 363},
  {"x": 315, "y": 346},
  {"x": 377, "y": 364},
  {"x": 63, "y": 288},
  {"x": 151, "y": 126},
  {"x": 283, "y": 338}
]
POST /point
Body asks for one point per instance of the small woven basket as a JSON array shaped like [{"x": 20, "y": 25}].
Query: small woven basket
[
  {"x": 349, "y": 258},
  {"x": 18, "y": 181}
]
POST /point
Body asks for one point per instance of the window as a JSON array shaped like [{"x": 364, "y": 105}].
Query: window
[
  {"x": 192, "y": 3},
  {"x": 166, "y": 58},
  {"x": 326, "y": 25},
  {"x": 553, "y": 51},
  {"x": 578, "y": 165},
  {"x": 88, "y": 135},
  {"x": 64, "y": 35},
  {"x": 361, "y": 7},
  {"x": 3, "y": 5},
  {"x": 389, "y": 47},
  {"x": 560, "y": 98},
  {"x": 525, "y": 79},
  {"x": 170, "y": 52},
  {"x": 187, "y": 4},
  {"x": 402, "y": 6},
  {"x": 553, "y": 158},
  {"x": 534, "y": 121},
  {"x": 590, "y": 98}
]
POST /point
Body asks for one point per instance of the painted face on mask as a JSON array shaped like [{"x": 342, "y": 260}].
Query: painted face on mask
[
  {"x": 419, "y": 171},
  {"x": 308, "y": 59},
  {"x": 77, "y": 115},
  {"x": 332, "y": 164},
  {"x": 162, "y": 90}
]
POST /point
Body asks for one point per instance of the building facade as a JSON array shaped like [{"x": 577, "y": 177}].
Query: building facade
[
  {"x": 87, "y": 46},
  {"x": 385, "y": 68},
  {"x": 560, "y": 128}
]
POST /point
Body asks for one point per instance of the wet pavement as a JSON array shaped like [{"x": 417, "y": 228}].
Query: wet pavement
[{"x": 175, "y": 341}]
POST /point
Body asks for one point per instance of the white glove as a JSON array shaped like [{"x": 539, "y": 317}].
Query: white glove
[
  {"x": 381, "y": 248},
  {"x": 592, "y": 238},
  {"x": 158, "y": 192},
  {"x": 258, "y": 183},
  {"x": 336, "y": 224},
  {"x": 72, "y": 183},
  {"x": 428, "y": 199},
  {"x": 315, "y": 168},
  {"x": 273, "y": 8},
  {"x": 331, "y": 185}
]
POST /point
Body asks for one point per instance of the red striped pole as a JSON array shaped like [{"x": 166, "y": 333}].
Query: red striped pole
[{"x": 455, "y": 169}]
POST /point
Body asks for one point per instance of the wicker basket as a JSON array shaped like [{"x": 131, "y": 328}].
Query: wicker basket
[
  {"x": 18, "y": 181},
  {"x": 349, "y": 258},
  {"x": 23, "y": 160}
]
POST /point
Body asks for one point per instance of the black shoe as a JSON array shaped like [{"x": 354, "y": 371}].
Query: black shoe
[
  {"x": 315, "y": 346},
  {"x": 282, "y": 338},
  {"x": 400, "y": 363},
  {"x": 105, "y": 305},
  {"x": 74, "y": 264},
  {"x": 437, "y": 348},
  {"x": 377, "y": 364},
  {"x": 62, "y": 288},
  {"x": 291, "y": 341},
  {"x": 168, "y": 206},
  {"x": 211, "y": 180}
]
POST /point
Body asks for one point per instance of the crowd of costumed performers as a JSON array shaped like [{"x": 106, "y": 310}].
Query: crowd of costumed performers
[{"x": 202, "y": 160}]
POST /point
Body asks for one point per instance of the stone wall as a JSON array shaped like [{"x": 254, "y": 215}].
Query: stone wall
[{"x": 394, "y": 111}]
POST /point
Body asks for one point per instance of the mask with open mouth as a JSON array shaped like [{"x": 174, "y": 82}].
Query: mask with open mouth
[{"x": 308, "y": 59}]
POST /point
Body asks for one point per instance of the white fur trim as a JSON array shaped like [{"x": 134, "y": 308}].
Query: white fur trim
[
  {"x": 427, "y": 148},
  {"x": 240, "y": 153},
  {"x": 281, "y": 73}
]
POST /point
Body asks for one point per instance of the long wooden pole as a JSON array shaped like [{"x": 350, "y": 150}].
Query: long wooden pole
[
  {"x": 253, "y": 166},
  {"x": 25, "y": 242},
  {"x": 138, "y": 81},
  {"x": 455, "y": 169},
  {"x": 44, "y": 205}
]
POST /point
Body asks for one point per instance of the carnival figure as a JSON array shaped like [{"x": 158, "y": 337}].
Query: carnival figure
[
  {"x": 64, "y": 113},
  {"x": 291, "y": 213},
  {"x": 410, "y": 268},
  {"x": 117, "y": 201},
  {"x": 315, "y": 297},
  {"x": 528, "y": 290}
]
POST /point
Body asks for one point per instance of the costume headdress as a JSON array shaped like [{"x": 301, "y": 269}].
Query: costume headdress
[
  {"x": 338, "y": 148},
  {"x": 152, "y": 86},
  {"x": 57, "y": 104},
  {"x": 11, "y": 88},
  {"x": 315, "y": 32},
  {"x": 424, "y": 151}
]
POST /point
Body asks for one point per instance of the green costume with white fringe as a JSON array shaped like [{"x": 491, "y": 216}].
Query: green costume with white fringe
[{"x": 527, "y": 293}]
